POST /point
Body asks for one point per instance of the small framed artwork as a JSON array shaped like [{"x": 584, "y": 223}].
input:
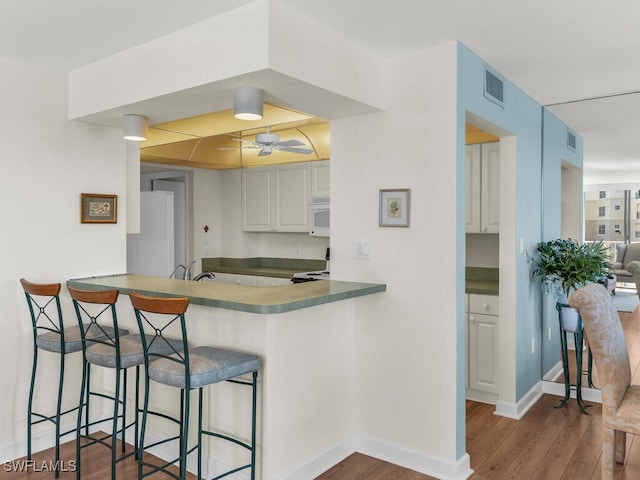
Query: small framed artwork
[
  {"x": 395, "y": 205},
  {"x": 99, "y": 208}
]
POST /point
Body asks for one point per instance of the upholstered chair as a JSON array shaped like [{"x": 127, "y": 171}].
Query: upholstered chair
[
  {"x": 620, "y": 399},
  {"x": 634, "y": 268}
]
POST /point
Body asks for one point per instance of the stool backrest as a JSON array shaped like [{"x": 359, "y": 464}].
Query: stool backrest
[
  {"x": 97, "y": 318},
  {"x": 158, "y": 315},
  {"x": 43, "y": 300}
]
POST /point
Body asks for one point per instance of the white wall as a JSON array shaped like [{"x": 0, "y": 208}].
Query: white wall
[
  {"x": 406, "y": 338},
  {"x": 405, "y": 360},
  {"x": 48, "y": 162}
]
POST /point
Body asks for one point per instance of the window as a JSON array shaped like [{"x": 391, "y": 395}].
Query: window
[
  {"x": 616, "y": 208},
  {"x": 637, "y": 234},
  {"x": 601, "y": 230},
  {"x": 603, "y": 194},
  {"x": 601, "y": 211},
  {"x": 616, "y": 226}
]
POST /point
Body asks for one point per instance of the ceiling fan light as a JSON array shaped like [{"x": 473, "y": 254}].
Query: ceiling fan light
[
  {"x": 248, "y": 103},
  {"x": 135, "y": 127}
]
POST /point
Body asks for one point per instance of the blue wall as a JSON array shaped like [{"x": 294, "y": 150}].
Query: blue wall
[
  {"x": 554, "y": 152},
  {"x": 522, "y": 117}
]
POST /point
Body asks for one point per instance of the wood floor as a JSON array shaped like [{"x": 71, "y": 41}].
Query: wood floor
[{"x": 546, "y": 444}]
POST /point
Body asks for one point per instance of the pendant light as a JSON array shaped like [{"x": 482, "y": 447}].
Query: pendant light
[
  {"x": 248, "y": 103},
  {"x": 135, "y": 127}
]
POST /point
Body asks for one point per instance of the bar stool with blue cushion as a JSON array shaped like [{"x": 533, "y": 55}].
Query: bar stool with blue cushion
[
  {"x": 190, "y": 369},
  {"x": 50, "y": 334},
  {"x": 118, "y": 350}
]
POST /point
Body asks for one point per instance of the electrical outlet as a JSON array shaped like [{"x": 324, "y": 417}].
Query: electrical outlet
[{"x": 533, "y": 345}]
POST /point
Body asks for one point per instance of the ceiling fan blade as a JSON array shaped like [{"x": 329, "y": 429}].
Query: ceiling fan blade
[
  {"x": 291, "y": 143},
  {"x": 240, "y": 147},
  {"x": 304, "y": 151},
  {"x": 264, "y": 152},
  {"x": 238, "y": 139}
]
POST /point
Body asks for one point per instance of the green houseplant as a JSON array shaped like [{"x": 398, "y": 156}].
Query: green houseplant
[{"x": 564, "y": 265}]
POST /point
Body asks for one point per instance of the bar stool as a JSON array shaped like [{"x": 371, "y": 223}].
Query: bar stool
[
  {"x": 116, "y": 349},
  {"x": 50, "y": 334},
  {"x": 193, "y": 368}
]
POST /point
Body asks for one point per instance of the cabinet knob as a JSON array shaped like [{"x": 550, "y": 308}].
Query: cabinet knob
[
  {"x": 485, "y": 305},
  {"x": 472, "y": 318},
  {"x": 484, "y": 229}
]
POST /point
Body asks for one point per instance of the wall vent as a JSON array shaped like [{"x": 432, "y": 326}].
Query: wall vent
[
  {"x": 493, "y": 87},
  {"x": 571, "y": 140}
]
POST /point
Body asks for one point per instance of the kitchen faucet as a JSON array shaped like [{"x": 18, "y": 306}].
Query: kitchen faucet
[{"x": 186, "y": 271}]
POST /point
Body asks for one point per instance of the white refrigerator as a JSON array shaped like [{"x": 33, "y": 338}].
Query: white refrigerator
[{"x": 151, "y": 252}]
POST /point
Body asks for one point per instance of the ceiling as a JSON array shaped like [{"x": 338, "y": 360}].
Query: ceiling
[
  {"x": 212, "y": 141},
  {"x": 579, "y": 57}
]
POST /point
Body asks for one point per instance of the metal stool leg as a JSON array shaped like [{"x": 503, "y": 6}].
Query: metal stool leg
[
  {"x": 30, "y": 403},
  {"x": 254, "y": 386}
]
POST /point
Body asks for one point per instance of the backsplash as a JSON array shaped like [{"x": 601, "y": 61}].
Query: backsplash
[{"x": 483, "y": 250}]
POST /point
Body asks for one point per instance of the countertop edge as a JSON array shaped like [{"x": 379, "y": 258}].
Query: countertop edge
[{"x": 361, "y": 289}]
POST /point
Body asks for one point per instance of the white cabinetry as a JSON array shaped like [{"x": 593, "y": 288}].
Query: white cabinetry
[
  {"x": 248, "y": 280},
  {"x": 234, "y": 278},
  {"x": 272, "y": 281},
  {"x": 482, "y": 346},
  {"x": 320, "y": 179},
  {"x": 482, "y": 178},
  {"x": 275, "y": 199}
]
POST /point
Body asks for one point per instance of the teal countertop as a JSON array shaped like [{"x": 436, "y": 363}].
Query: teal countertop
[
  {"x": 261, "y": 266},
  {"x": 263, "y": 300},
  {"x": 481, "y": 280}
]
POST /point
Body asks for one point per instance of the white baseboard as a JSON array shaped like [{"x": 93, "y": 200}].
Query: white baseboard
[
  {"x": 44, "y": 439},
  {"x": 396, "y": 454},
  {"x": 588, "y": 394},
  {"x": 517, "y": 410},
  {"x": 420, "y": 462}
]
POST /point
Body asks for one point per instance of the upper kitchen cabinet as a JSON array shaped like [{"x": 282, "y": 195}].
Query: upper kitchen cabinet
[
  {"x": 275, "y": 199},
  {"x": 483, "y": 188},
  {"x": 320, "y": 178}
]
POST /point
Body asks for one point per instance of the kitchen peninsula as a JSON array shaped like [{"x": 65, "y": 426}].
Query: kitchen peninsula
[{"x": 305, "y": 335}]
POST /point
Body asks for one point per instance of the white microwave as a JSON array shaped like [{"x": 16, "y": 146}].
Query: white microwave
[{"x": 319, "y": 216}]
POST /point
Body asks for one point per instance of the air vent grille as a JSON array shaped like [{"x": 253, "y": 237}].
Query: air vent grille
[
  {"x": 493, "y": 88},
  {"x": 571, "y": 140}
]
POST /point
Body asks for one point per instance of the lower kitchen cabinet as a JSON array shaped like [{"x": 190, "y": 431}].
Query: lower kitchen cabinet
[
  {"x": 248, "y": 280},
  {"x": 234, "y": 278},
  {"x": 482, "y": 347}
]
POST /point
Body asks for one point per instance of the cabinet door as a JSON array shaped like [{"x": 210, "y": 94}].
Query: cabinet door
[
  {"x": 320, "y": 178},
  {"x": 483, "y": 352},
  {"x": 472, "y": 187},
  {"x": 291, "y": 200},
  {"x": 234, "y": 279},
  {"x": 257, "y": 194},
  {"x": 272, "y": 281},
  {"x": 490, "y": 188}
]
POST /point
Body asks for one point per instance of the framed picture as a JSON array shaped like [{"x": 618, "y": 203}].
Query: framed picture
[
  {"x": 99, "y": 208},
  {"x": 395, "y": 207}
]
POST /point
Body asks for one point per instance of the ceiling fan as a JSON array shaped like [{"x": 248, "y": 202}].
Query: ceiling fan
[{"x": 267, "y": 142}]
